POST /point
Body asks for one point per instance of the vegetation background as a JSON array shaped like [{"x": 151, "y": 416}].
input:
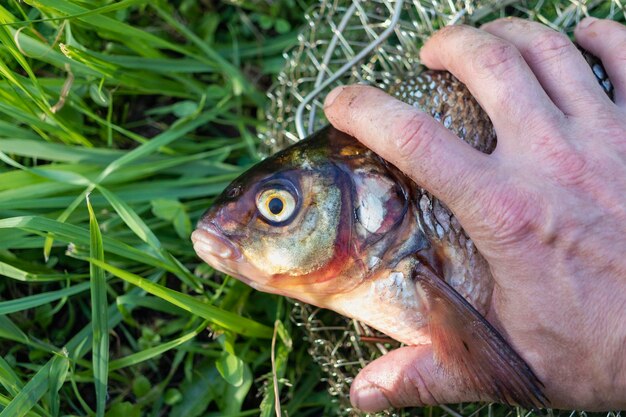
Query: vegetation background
[
  {"x": 145, "y": 110},
  {"x": 120, "y": 120}
]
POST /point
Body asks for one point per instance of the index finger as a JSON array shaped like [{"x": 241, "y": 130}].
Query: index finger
[
  {"x": 496, "y": 74},
  {"x": 413, "y": 141}
]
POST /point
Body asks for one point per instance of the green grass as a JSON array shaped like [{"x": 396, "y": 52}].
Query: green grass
[{"x": 119, "y": 122}]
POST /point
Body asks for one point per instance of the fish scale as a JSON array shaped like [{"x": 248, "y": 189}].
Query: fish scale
[
  {"x": 448, "y": 101},
  {"x": 444, "y": 97}
]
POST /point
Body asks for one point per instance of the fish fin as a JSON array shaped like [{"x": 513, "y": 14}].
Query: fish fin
[{"x": 465, "y": 343}]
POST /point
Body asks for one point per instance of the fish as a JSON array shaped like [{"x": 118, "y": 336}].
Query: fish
[{"x": 330, "y": 223}]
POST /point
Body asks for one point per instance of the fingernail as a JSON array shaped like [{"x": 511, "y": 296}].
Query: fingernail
[
  {"x": 586, "y": 22},
  {"x": 332, "y": 96},
  {"x": 369, "y": 399}
]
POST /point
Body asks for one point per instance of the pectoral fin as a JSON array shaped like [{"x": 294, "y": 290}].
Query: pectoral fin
[{"x": 466, "y": 344}]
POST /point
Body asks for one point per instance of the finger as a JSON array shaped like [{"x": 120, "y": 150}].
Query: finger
[
  {"x": 558, "y": 65},
  {"x": 413, "y": 141},
  {"x": 606, "y": 39},
  {"x": 406, "y": 377},
  {"x": 496, "y": 74}
]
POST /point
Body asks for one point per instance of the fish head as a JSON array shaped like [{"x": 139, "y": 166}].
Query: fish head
[{"x": 286, "y": 226}]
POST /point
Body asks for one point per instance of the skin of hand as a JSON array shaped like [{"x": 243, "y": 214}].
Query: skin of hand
[{"x": 547, "y": 209}]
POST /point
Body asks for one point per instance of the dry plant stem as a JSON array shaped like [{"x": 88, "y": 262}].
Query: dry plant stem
[{"x": 274, "y": 374}]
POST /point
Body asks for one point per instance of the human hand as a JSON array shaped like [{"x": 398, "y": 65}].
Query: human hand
[{"x": 547, "y": 209}]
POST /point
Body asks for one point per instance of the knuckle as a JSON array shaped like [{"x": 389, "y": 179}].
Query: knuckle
[
  {"x": 451, "y": 31},
  {"x": 568, "y": 166},
  {"x": 572, "y": 168},
  {"x": 593, "y": 24},
  {"x": 549, "y": 46},
  {"x": 496, "y": 59},
  {"x": 417, "y": 388},
  {"x": 510, "y": 213},
  {"x": 416, "y": 136},
  {"x": 608, "y": 27},
  {"x": 619, "y": 52},
  {"x": 614, "y": 131}
]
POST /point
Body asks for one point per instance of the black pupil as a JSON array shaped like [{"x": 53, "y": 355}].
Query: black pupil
[{"x": 275, "y": 205}]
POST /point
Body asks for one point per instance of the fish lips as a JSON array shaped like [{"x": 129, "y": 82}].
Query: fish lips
[
  {"x": 208, "y": 239},
  {"x": 214, "y": 248}
]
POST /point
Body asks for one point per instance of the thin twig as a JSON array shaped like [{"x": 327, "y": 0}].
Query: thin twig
[
  {"x": 65, "y": 90},
  {"x": 274, "y": 373}
]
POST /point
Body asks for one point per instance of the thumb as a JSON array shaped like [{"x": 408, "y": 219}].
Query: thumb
[
  {"x": 406, "y": 377},
  {"x": 413, "y": 141}
]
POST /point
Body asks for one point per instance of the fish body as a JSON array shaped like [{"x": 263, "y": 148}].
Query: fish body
[
  {"x": 358, "y": 232},
  {"x": 330, "y": 223}
]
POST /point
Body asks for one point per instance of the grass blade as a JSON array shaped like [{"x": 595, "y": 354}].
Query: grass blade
[
  {"x": 9, "y": 330},
  {"x": 222, "y": 318},
  {"x": 8, "y": 378},
  {"x": 10, "y": 271},
  {"x": 132, "y": 220},
  {"x": 99, "y": 317},
  {"x": 155, "y": 351},
  {"x": 153, "y": 303},
  {"x": 80, "y": 344},
  {"x": 36, "y": 387},
  {"x": 139, "y": 227},
  {"x": 32, "y": 301},
  {"x": 177, "y": 131},
  {"x": 78, "y": 235},
  {"x": 56, "y": 379},
  {"x": 115, "y": 29}
]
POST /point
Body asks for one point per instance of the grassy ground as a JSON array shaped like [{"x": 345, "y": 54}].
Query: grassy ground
[{"x": 119, "y": 121}]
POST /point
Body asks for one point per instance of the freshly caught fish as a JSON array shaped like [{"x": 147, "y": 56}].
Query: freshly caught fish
[{"x": 330, "y": 223}]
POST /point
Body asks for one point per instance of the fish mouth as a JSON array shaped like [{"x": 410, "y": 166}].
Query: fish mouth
[
  {"x": 209, "y": 242},
  {"x": 218, "y": 251}
]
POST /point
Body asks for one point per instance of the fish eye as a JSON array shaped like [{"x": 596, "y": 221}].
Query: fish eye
[{"x": 276, "y": 205}]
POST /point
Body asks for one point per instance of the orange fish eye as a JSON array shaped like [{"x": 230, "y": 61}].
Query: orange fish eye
[{"x": 276, "y": 205}]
